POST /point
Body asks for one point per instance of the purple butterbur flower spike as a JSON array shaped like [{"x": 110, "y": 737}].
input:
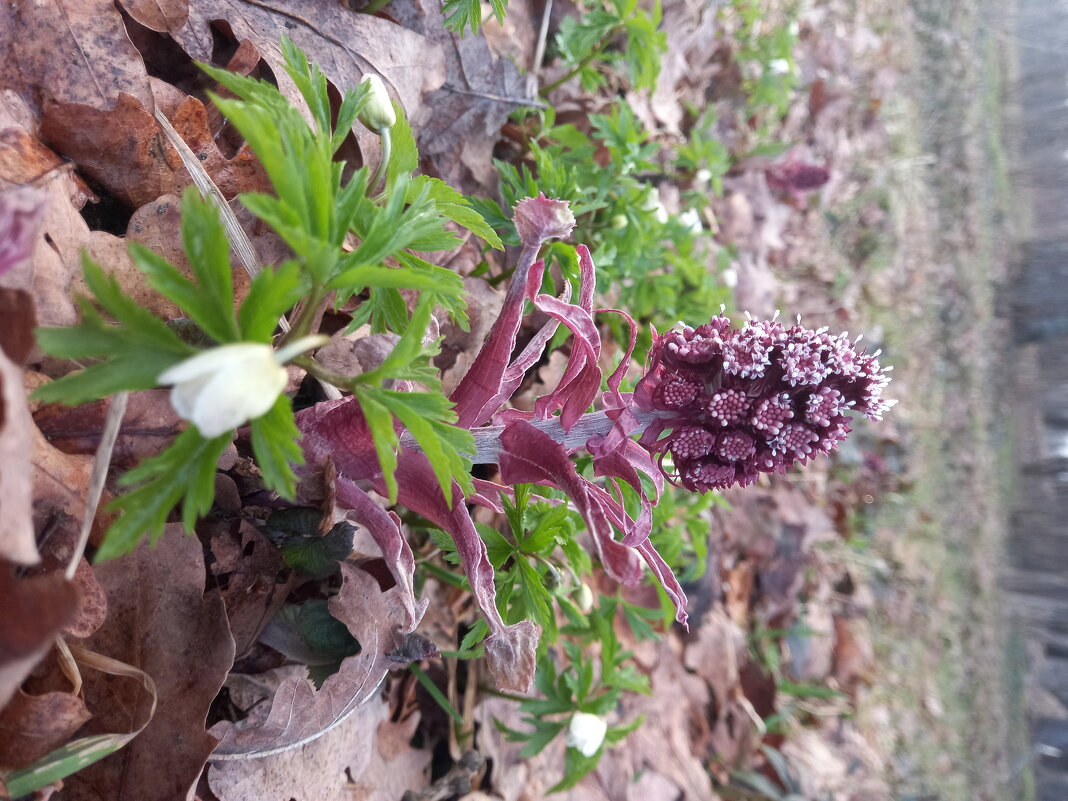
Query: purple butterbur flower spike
[
  {"x": 717, "y": 406},
  {"x": 767, "y": 396}
]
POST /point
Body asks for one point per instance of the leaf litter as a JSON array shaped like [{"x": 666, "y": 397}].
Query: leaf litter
[{"x": 186, "y": 617}]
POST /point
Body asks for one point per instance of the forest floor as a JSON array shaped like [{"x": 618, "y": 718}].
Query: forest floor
[{"x": 847, "y": 638}]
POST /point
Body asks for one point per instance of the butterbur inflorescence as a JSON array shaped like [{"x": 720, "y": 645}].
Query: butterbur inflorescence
[{"x": 732, "y": 403}]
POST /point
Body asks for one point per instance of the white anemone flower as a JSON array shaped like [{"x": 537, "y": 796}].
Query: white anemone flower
[
  {"x": 220, "y": 389},
  {"x": 585, "y": 733}
]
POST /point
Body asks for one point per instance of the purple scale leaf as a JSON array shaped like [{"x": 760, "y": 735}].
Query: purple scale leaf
[
  {"x": 478, "y": 395},
  {"x": 386, "y": 532},
  {"x": 667, "y": 580}
]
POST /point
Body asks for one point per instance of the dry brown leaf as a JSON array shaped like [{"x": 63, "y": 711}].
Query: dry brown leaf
[
  {"x": 111, "y": 253},
  {"x": 854, "y": 653},
  {"x": 76, "y": 51},
  {"x": 156, "y": 225},
  {"x": 738, "y": 587},
  {"x": 242, "y": 173},
  {"x": 148, "y": 426},
  {"x": 673, "y": 741},
  {"x": 367, "y": 746},
  {"x": 161, "y": 621},
  {"x": 35, "y": 611},
  {"x": 715, "y": 653},
  {"x": 298, "y": 713},
  {"x": 458, "y": 124},
  {"x": 686, "y": 68},
  {"x": 395, "y": 766},
  {"x": 23, "y": 158},
  {"x": 812, "y": 654},
  {"x": 92, "y": 603},
  {"x": 32, "y": 725},
  {"x": 63, "y": 232},
  {"x": 121, "y": 147},
  {"x": 159, "y": 15},
  {"x": 345, "y": 44},
  {"x": 60, "y": 489},
  {"x": 254, "y": 580},
  {"x": 17, "y": 537}
]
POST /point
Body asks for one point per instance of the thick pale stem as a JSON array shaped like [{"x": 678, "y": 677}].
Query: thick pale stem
[{"x": 591, "y": 424}]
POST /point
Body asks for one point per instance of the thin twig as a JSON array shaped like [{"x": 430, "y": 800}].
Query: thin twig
[
  {"x": 532, "y": 102},
  {"x": 567, "y": 76}
]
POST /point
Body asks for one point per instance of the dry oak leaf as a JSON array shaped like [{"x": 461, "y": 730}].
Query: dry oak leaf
[
  {"x": 73, "y": 51},
  {"x": 159, "y": 15},
  {"x": 315, "y": 771},
  {"x": 394, "y": 767},
  {"x": 160, "y": 621},
  {"x": 242, "y": 173},
  {"x": 122, "y": 148},
  {"x": 148, "y": 427},
  {"x": 346, "y": 45},
  {"x": 254, "y": 579},
  {"x": 458, "y": 124},
  {"x": 298, "y": 713}
]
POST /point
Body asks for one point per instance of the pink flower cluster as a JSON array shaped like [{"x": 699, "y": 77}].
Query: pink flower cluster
[{"x": 736, "y": 403}]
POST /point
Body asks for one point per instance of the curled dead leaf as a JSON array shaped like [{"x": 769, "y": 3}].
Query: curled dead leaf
[
  {"x": 32, "y": 725},
  {"x": 161, "y": 622},
  {"x": 299, "y": 714}
]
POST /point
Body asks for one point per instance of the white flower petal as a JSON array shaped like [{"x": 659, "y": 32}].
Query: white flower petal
[
  {"x": 586, "y": 732},
  {"x": 220, "y": 389},
  {"x": 213, "y": 360},
  {"x": 184, "y": 395}
]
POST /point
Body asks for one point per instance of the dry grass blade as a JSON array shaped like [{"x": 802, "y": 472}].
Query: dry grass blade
[
  {"x": 112, "y": 424},
  {"x": 85, "y": 751},
  {"x": 238, "y": 239}
]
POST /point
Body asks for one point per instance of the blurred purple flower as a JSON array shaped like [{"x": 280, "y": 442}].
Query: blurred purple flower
[
  {"x": 793, "y": 176},
  {"x": 21, "y": 212}
]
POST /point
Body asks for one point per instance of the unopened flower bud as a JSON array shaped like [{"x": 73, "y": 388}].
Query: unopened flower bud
[
  {"x": 378, "y": 112},
  {"x": 619, "y": 221},
  {"x": 219, "y": 389},
  {"x": 585, "y": 733},
  {"x": 584, "y": 598}
]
